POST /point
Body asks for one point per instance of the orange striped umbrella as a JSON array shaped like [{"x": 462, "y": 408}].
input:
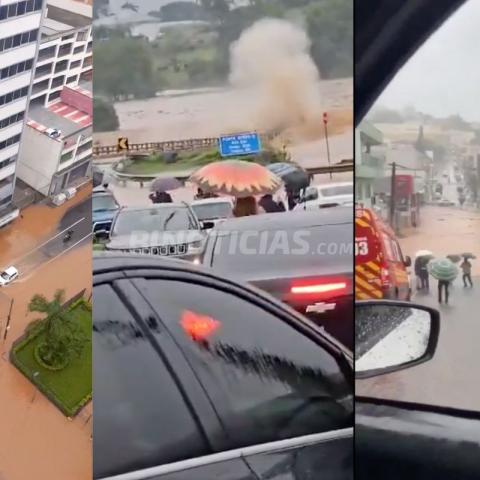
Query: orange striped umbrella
[{"x": 236, "y": 178}]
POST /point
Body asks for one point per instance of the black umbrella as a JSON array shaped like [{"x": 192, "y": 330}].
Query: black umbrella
[
  {"x": 165, "y": 184},
  {"x": 293, "y": 176}
]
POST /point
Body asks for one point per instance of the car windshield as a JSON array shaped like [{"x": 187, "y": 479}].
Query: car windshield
[
  {"x": 153, "y": 220},
  {"x": 338, "y": 190},
  {"x": 5, "y": 275},
  {"x": 103, "y": 202},
  {"x": 422, "y": 138},
  {"x": 315, "y": 249},
  {"x": 209, "y": 211}
]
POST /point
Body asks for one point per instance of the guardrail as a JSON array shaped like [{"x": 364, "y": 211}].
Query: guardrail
[{"x": 190, "y": 144}]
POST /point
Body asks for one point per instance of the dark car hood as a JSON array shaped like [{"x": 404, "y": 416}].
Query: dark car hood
[{"x": 158, "y": 239}]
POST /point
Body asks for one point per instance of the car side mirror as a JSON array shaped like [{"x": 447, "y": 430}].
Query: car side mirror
[
  {"x": 207, "y": 225},
  {"x": 391, "y": 336},
  {"x": 408, "y": 261}
]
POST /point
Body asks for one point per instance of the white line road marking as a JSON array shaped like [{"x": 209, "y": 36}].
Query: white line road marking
[
  {"x": 19, "y": 259},
  {"x": 26, "y": 276}
]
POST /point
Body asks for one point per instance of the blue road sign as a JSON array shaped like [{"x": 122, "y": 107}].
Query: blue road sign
[{"x": 240, "y": 144}]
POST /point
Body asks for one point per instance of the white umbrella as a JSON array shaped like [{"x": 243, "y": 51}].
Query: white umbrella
[{"x": 424, "y": 253}]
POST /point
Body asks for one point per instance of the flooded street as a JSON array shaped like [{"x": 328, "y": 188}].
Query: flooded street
[
  {"x": 33, "y": 244},
  {"x": 36, "y": 439}
]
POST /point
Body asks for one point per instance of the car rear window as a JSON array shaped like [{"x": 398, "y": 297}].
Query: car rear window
[
  {"x": 324, "y": 247},
  {"x": 209, "y": 211}
]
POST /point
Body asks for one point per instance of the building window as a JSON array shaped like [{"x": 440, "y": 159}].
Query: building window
[
  {"x": 18, "y": 39},
  {"x": 72, "y": 79},
  {"x": 12, "y": 96},
  {"x": 82, "y": 36},
  {"x": 16, "y": 68},
  {"x": 77, "y": 50},
  {"x": 66, "y": 157},
  {"x": 9, "y": 142},
  {"x": 54, "y": 96},
  {"x": 20, "y": 8},
  {"x": 7, "y": 162},
  {"x": 18, "y": 117}
]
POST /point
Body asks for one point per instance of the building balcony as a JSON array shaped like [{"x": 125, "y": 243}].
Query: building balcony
[{"x": 369, "y": 134}]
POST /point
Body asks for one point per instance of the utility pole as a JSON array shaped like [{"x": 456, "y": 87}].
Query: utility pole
[
  {"x": 392, "y": 196},
  {"x": 7, "y": 326},
  {"x": 325, "y": 121}
]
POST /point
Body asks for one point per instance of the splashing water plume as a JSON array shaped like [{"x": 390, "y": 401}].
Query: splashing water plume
[{"x": 271, "y": 61}]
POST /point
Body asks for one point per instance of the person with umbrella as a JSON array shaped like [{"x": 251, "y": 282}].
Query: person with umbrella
[
  {"x": 445, "y": 271},
  {"x": 466, "y": 267},
  {"x": 239, "y": 179},
  {"x": 422, "y": 258},
  {"x": 160, "y": 188}
]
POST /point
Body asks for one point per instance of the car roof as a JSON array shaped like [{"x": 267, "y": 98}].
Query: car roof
[
  {"x": 289, "y": 220},
  {"x": 11, "y": 270},
  {"x": 206, "y": 201},
  {"x": 329, "y": 185},
  {"x": 155, "y": 206}
]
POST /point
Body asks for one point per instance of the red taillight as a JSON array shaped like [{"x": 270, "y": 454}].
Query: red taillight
[
  {"x": 335, "y": 287},
  {"x": 198, "y": 327}
]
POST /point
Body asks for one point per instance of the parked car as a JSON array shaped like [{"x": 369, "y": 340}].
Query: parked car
[
  {"x": 199, "y": 377},
  {"x": 104, "y": 210},
  {"x": 301, "y": 258},
  {"x": 328, "y": 195},
  {"x": 213, "y": 210},
  {"x": 8, "y": 276},
  {"x": 165, "y": 229}
]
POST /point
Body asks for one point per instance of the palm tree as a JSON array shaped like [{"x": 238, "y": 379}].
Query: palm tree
[{"x": 63, "y": 337}]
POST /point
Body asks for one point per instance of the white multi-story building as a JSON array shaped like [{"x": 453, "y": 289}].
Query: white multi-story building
[
  {"x": 19, "y": 38},
  {"x": 65, "y": 54},
  {"x": 57, "y": 146}
]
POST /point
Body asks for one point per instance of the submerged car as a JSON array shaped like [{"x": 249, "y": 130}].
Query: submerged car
[
  {"x": 8, "y": 276},
  {"x": 167, "y": 229}
]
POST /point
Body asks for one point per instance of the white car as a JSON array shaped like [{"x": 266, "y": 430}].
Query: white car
[
  {"x": 329, "y": 194},
  {"x": 8, "y": 276},
  {"x": 213, "y": 210}
]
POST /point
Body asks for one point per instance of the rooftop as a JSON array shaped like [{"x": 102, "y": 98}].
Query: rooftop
[
  {"x": 65, "y": 115},
  {"x": 65, "y": 15}
]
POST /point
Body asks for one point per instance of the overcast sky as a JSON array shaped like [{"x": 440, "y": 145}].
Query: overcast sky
[{"x": 443, "y": 77}]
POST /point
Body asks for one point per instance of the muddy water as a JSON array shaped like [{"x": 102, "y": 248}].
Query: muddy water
[
  {"x": 211, "y": 114},
  {"x": 35, "y": 226},
  {"x": 36, "y": 440}
]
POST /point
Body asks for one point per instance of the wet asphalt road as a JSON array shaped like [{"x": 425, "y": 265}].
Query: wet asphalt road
[
  {"x": 451, "y": 377},
  {"x": 79, "y": 219}
]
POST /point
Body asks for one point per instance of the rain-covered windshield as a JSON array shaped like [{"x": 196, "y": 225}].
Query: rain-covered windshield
[
  {"x": 103, "y": 202},
  {"x": 153, "y": 220},
  {"x": 424, "y": 131}
]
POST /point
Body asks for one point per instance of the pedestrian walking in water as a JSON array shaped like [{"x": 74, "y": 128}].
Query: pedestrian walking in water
[
  {"x": 466, "y": 267},
  {"x": 443, "y": 285},
  {"x": 445, "y": 271}
]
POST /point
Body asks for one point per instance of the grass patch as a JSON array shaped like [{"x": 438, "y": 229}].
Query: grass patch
[
  {"x": 71, "y": 388},
  {"x": 156, "y": 164}
]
